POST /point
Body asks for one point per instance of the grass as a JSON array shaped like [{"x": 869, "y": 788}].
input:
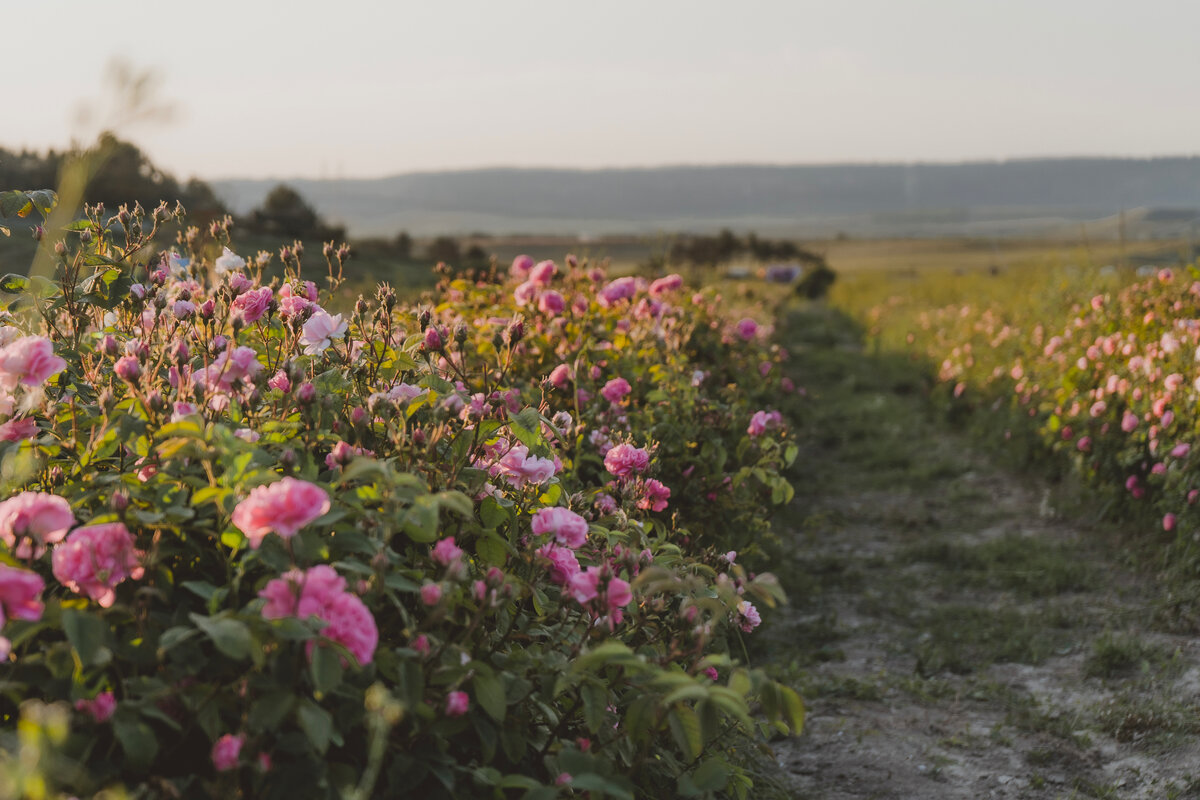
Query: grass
[
  {"x": 1028, "y": 566},
  {"x": 1115, "y": 655}
]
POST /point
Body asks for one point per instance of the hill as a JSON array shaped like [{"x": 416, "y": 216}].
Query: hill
[{"x": 996, "y": 198}]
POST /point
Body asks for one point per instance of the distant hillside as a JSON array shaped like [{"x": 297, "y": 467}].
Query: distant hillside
[{"x": 993, "y": 197}]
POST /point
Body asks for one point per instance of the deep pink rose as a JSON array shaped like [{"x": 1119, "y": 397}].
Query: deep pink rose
[
  {"x": 563, "y": 563},
  {"x": 251, "y": 305},
  {"x": 100, "y": 709},
  {"x": 543, "y": 272},
  {"x": 457, "y": 704},
  {"x": 284, "y": 507},
  {"x": 747, "y": 328},
  {"x": 446, "y": 552},
  {"x": 551, "y": 303},
  {"x": 321, "y": 592},
  {"x": 615, "y": 390},
  {"x": 655, "y": 496}
]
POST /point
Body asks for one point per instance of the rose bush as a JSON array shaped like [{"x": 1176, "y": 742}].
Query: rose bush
[{"x": 476, "y": 547}]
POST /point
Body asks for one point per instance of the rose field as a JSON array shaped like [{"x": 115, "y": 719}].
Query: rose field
[{"x": 505, "y": 541}]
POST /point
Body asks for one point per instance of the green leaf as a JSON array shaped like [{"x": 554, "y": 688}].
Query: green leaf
[
  {"x": 591, "y": 782},
  {"x": 421, "y": 519},
  {"x": 88, "y": 634},
  {"x": 711, "y": 776},
  {"x": 13, "y": 284},
  {"x": 270, "y": 709},
  {"x": 492, "y": 549},
  {"x": 685, "y": 728},
  {"x": 793, "y": 708},
  {"x": 316, "y": 722},
  {"x": 489, "y": 691},
  {"x": 326, "y": 669},
  {"x": 231, "y": 636},
  {"x": 595, "y": 702},
  {"x": 492, "y": 513},
  {"x": 137, "y": 740}
]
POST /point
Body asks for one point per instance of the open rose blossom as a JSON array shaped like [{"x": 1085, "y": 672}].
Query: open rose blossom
[
  {"x": 32, "y": 520},
  {"x": 563, "y": 564},
  {"x": 320, "y": 330},
  {"x": 100, "y": 709},
  {"x": 251, "y": 305},
  {"x": 284, "y": 507},
  {"x": 624, "y": 460},
  {"x": 225, "y": 751},
  {"x": 568, "y": 528},
  {"x": 321, "y": 592},
  {"x": 17, "y": 430},
  {"x": 457, "y": 704},
  {"x": 20, "y": 594},
  {"x": 615, "y": 390},
  {"x": 29, "y": 360},
  {"x": 95, "y": 559}
]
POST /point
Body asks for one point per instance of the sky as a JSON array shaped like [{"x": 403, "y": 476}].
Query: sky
[{"x": 361, "y": 89}]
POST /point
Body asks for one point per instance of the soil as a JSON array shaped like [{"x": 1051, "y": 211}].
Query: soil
[{"x": 959, "y": 627}]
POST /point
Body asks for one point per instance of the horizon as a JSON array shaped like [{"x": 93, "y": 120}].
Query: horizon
[{"x": 379, "y": 89}]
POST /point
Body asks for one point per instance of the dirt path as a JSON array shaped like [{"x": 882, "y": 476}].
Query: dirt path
[{"x": 955, "y": 635}]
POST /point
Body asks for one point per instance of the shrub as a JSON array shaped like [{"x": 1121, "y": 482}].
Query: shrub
[{"x": 387, "y": 550}]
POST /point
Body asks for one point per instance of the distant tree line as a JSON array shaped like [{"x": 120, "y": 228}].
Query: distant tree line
[
  {"x": 711, "y": 251},
  {"x": 124, "y": 174}
]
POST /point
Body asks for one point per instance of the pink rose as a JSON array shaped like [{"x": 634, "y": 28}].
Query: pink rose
[
  {"x": 668, "y": 284},
  {"x": 520, "y": 468},
  {"x": 128, "y": 368},
  {"x": 616, "y": 291},
  {"x": 567, "y": 527},
  {"x": 284, "y": 507},
  {"x": 560, "y": 376},
  {"x": 563, "y": 564},
  {"x": 551, "y": 303},
  {"x": 584, "y": 586},
  {"x": 95, "y": 559},
  {"x": 100, "y": 709},
  {"x": 320, "y": 592},
  {"x": 20, "y": 595},
  {"x": 446, "y": 552},
  {"x": 655, "y": 496},
  {"x": 17, "y": 430},
  {"x": 543, "y": 273},
  {"x": 624, "y": 460},
  {"x": 525, "y": 293},
  {"x": 615, "y": 390},
  {"x": 457, "y": 704},
  {"x": 747, "y": 616},
  {"x": 1168, "y": 522},
  {"x": 521, "y": 267},
  {"x": 29, "y": 360},
  {"x": 32, "y": 520},
  {"x": 225, "y": 751},
  {"x": 250, "y": 306},
  {"x": 617, "y": 594},
  {"x": 431, "y": 594},
  {"x": 747, "y": 328}
]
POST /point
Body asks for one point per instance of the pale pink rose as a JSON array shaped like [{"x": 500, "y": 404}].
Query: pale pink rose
[
  {"x": 280, "y": 381},
  {"x": 284, "y": 507},
  {"x": 239, "y": 282},
  {"x": 251, "y": 305},
  {"x": 29, "y": 360},
  {"x": 1129, "y": 422},
  {"x": 519, "y": 468},
  {"x": 567, "y": 527},
  {"x": 624, "y": 460},
  {"x": 183, "y": 309},
  {"x": 350, "y": 624},
  {"x": 99, "y": 709},
  {"x": 1168, "y": 522},
  {"x": 457, "y": 704},
  {"x": 95, "y": 559},
  {"x": 747, "y": 328},
  {"x": 20, "y": 595},
  {"x": 615, "y": 390},
  {"x": 17, "y": 430},
  {"x": 563, "y": 563},
  {"x": 320, "y": 330},
  {"x": 525, "y": 293},
  {"x": 605, "y": 503},
  {"x": 30, "y": 521},
  {"x": 226, "y": 750},
  {"x": 521, "y": 267},
  {"x": 747, "y": 616},
  {"x": 291, "y": 303},
  {"x": 584, "y": 586},
  {"x": 543, "y": 272},
  {"x": 551, "y": 303},
  {"x": 128, "y": 368}
]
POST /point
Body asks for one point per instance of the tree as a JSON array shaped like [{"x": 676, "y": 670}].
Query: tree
[
  {"x": 444, "y": 249},
  {"x": 403, "y": 245}
]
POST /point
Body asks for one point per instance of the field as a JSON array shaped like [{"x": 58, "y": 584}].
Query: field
[{"x": 309, "y": 526}]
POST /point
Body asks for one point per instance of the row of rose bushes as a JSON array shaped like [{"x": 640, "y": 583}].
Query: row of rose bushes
[
  {"x": 499, "y": 544},
  {"x": 1109, "y": 380}
]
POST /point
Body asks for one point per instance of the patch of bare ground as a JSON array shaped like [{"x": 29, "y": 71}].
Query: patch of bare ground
[{"x": 955, "y": 634}]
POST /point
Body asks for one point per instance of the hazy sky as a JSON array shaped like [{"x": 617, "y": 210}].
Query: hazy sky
[{"x": 357, "y": 88}]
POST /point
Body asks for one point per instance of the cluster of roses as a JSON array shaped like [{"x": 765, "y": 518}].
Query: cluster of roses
[
  {"x": 213, "y": 350},
  {"x": 1113, "y": 385}
]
